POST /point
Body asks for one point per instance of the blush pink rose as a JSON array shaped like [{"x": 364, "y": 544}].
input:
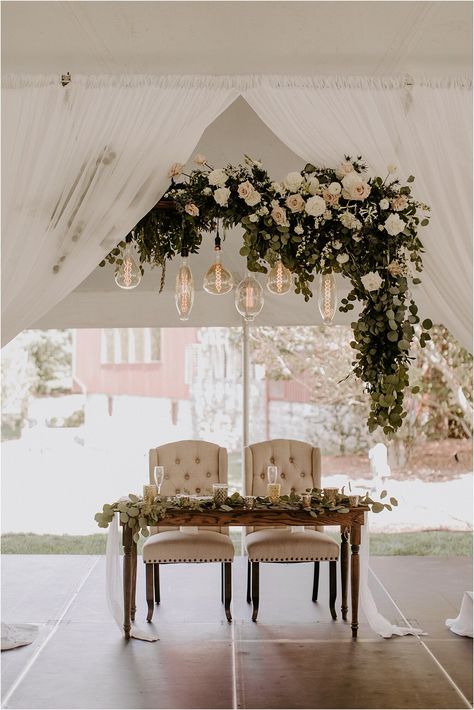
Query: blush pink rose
[
  {"x": 295, "y": 203},
  {"x": 279, "y": 216},
  {"x": 191, "y": 209}
]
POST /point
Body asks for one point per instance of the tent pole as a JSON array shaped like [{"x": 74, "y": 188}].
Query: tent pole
[{"x": 245, "y": 383}]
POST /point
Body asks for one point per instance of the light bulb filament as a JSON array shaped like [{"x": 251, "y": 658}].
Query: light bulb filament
[
  {"x": 127, "y": 272},
  {"x": 249, "y": 296},
  {"x": 279, "y": 277},
  {"x": 218, "y": 277}
]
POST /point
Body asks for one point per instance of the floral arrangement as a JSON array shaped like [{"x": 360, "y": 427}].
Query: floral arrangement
[
  {"x": 318, "y": 220},
  {"x": 139, "y": 513}
]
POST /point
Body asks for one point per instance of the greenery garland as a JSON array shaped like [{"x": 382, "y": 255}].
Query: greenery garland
[
  {"x": 139, "y": 513},
  {"x": 318, "y": 220}
]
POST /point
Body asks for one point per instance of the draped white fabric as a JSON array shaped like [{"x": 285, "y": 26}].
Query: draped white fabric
[
  {"x": 81, "y": 165},
  {"x": 427, "y": 130}
]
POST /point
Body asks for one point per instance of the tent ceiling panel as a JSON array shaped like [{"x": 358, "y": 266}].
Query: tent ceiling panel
[{"x": 236, "y": 37}]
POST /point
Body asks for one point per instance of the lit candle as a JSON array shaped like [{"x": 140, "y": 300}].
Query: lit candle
[
  {"x": 149, "y": 493},
  {"x": 273, "y": 492}
]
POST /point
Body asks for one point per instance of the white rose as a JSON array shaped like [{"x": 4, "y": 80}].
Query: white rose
[
  {"x": 175, "y": 170},
  {"x": 253, "y": 199},
  {"x": 293, "y": 181},
  {"x": 394, "y": 224},
  {"x": 342, "y": 258},
  {"x": 277, "y": 187},
  {"x": 315, "y": 206},
  {"x": 200, "y": 159},
  {"x": 391, "y": 168},
  {"x": 253, "y": 218},
  {"x": 346, "y": 219},
  {"x": 334, "y": 188},
  {"x": 337, "y": 244},
  {"x": 295, "y": 203},
  {"x": 221, "y": 196},
  {"x": 217, "y": 177},
  {"x": 372, "y": 281},
  {"x": 384, "y": 204},
  {"x": 313, "y": 185},
  {"x": 245, "y": 189},
  {"x": 354, "y": 187},
  {"x": 299, "y": 229}
]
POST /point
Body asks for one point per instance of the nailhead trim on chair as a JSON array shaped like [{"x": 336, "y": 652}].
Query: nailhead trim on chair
[
  {"x": 183, "y": 559},
  {"x": 293, "y": 559}
]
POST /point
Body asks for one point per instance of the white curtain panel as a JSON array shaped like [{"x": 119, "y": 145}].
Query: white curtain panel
[
  {"x": 81, "y": 165},
  {"x": 426, "y": 129}
]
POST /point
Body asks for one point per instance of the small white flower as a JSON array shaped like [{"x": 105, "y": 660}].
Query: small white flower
[
  {"x": 356, "y": 224},
  {"x": 253, "y": 218},
  {"x": 263, "y": 211},
  {"x": 277, "y": 187},
  {"x": 342, "y": 258},
  {"x": 315, "y": 206},
  {"x": 394, "y": 224},
  {"x": 221, "y": 196},
  {"x": 207, "y": 191},
  {"x": 299, "y": 229},
  {"x": 372, "y": 281},
  {"x": 253, "y": 199},
  {"x": 384, "y": 204},
  {"x": 200, "y": 159},
  {"x": 327, "y": 214},
  {"x": 356, "y": 237},
  {"x": 334, "y": 188},
  {"x": 217, "y": 177},
  {"x": 346, "y": 219},
  {"x": 337, "y": 244},
  {"x": 312, "y": 185},
  {"x": 381, "y": 227},
  {"x": 391, "y": 168},
  {"x": 293, "y": 181}
]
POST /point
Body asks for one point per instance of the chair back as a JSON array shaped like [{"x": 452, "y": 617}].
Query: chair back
[
  {"x": 190, "y": 467},
  {"x": 299, "y": 467}
]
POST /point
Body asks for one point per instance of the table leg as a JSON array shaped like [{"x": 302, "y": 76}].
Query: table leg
[
  {"x": 355, "y": 543},
  {"x": 127, "y": 579},
  {"x": 134, "y": 582},
  {"x": 344, "y": 570}
]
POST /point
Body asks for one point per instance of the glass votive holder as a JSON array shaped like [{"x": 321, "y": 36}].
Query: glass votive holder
[
  {"x": 306, "y": 500},
  {"x": 149, "y": 493},
  {"x": 331, "y": 494},
  {"x": 273, "y": 492},
  {"x": 249, "y": 502},
  {"x": 353, "y": 501},
  {"x": 219, "y": 492}
]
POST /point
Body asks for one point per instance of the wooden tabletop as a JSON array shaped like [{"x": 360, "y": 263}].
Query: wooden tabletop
[{"x": 241, "y": 516}]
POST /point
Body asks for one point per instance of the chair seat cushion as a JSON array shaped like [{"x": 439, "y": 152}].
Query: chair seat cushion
[
  {"x": 177, "y": 546},
  {"x": 283, "y": 545}
]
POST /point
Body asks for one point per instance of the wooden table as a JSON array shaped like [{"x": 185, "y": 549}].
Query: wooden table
[{"x": 350, "y": 525}]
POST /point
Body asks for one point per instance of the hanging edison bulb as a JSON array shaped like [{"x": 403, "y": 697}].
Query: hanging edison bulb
[
  {"x": 327, "y": 298},
  {"x": 128, "y": 274},
  {"x": 218, "y": 280},
  {"x": 184, "y": 290},
  {"x": 279, "y": 279},
  {"x": 249, "y": 298}
]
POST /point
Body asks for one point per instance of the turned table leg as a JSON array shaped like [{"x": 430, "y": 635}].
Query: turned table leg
[
  {"x": 127, "y": 579},
  {"x": 134, "y": 582},
  {"x": 344, "y": 570},
  {"x": 355, "y": 543}
]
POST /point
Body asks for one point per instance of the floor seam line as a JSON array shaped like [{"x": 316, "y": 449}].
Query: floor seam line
[
  {"x": 40, "y": 648},
  {"x": 234, "y": 670},
  {"x": 428, "y": 650}
]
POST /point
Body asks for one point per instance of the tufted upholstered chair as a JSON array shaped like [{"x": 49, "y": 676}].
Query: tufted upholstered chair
[
  {"x": 299, "y": 467},
  {"x": 190, "y": 467}
]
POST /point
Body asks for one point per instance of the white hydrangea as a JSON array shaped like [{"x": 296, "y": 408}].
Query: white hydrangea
[{"x": 346, "y": 219}]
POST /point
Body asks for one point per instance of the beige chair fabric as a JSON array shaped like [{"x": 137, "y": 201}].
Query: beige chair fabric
[
  {"x": 190, "y": 467},
  {"x": 299, "y": 468}
]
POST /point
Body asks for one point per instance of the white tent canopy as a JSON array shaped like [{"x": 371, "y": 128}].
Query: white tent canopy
[{"x": 425, "y": 128}]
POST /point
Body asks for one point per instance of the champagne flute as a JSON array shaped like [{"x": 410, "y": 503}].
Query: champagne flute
[
  {"x": 159, "y": 474},
  {"x": 272, "y": 474}
]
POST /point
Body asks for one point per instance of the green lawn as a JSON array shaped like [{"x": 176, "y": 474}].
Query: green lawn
[{"x": 433, "y": 543}]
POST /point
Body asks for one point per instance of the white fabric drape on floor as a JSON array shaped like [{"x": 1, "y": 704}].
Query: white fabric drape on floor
[
  {"x": 81, "y": 165},
  {"x": 427, "y": 130}
]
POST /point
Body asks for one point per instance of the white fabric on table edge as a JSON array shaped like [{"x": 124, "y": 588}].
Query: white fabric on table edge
[{"x": 15, "y": 635}]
